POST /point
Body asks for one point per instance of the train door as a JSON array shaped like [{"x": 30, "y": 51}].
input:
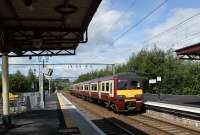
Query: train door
[
  {"x": 90, "y": 89},
  {"x": 111, "y": 88},
  {"x": 99, "y": 89}
]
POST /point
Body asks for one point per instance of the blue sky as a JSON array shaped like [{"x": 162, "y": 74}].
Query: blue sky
[{"x": 111, "y": 20}]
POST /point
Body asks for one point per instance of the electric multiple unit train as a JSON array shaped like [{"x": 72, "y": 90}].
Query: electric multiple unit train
[{"x": 121, "y": 92}]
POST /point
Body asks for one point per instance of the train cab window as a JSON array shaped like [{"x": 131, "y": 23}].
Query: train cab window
[
  {"x": 111, "y": 88},
  {"x": 122, "y": 84},
  {"x": 103, "y": 86},
  {"x": 107, "y": 86},
  {"x": 134, "y": 84}
]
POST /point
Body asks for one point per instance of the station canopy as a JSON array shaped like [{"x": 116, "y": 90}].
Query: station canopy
[
  {"x": 190, "y": 52},
  {"x": 44, "y": 27}
]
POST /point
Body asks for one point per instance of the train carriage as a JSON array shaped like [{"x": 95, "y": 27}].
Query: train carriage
[{"x": 121, "y": 92}]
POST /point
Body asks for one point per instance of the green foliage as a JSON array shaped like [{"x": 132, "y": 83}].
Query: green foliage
[
  {"x": 178, "y": 76},
  {"x": 66, "y": 87},
  {"x": 21, "y": 83},
  {"x": 18, "y": 82}
]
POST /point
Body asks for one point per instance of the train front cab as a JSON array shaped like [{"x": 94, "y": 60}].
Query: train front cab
[{"x": 128, "y": 95}]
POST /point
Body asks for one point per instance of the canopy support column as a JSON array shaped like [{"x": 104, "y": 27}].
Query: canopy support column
[{"x": 5, "y": 90}]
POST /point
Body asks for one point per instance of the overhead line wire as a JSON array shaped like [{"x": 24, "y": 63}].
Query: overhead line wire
[
  {"x": 122, "y": 15},
  {"x": 141, "y": 20},
  {"x": 173, "y": 27}
]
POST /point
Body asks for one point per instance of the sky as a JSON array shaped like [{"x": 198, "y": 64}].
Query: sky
[{"x": 112, "y": 19}]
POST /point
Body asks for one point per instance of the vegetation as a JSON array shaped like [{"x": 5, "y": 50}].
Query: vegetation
[
  {"x": 178, "y": 76},
  {"x": 21, "y": 83}
]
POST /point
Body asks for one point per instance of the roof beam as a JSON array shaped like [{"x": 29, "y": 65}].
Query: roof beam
[{"x": 42, "y": 29}]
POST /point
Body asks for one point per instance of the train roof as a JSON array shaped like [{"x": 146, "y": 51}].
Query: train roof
[{"x": 123, "y": 75}]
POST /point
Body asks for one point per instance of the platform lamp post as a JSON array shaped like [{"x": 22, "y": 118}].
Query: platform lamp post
[
  {"x": 158, "y": 79},
  {"x": 113, "y": 69},
  {"x": 41, "y": 81},
  {"x": 49, "y": 86},
  {"x": 48, "y": 75}
]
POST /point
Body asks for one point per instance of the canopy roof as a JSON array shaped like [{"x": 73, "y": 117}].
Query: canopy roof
[
  {"x": 190, "y": 52},
  {"x": 39, "y": 27}
]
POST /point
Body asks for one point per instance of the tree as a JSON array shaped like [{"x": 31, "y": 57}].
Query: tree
[{"x": 18, "y": 82}]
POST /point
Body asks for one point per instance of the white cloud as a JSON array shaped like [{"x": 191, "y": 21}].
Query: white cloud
[
  {"x": 182, "y": 36},
  {"x": 104, "y": 23}
]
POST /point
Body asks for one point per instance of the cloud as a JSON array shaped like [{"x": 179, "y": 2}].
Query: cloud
[
  {"x": 179, "y": 37},
  {"x": 105, "y": 22},
  {"x": 97, "y": 50}
]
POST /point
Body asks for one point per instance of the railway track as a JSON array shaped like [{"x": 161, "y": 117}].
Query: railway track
[
  {"x": 111, "y": 127},
  {"x": 139, "y": 124},
  {"x": 108, "y": 124},
  {"x": 164, "y": 126}
]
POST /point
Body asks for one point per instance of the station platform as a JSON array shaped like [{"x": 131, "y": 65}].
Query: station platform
[
  {"x": 38, "y": 122},
  {"x": 74, "y": 117},
  {"x": 183, "y": 100},
  {"x": 179, "y": 105},
  {"x": 60, "y": 117}
]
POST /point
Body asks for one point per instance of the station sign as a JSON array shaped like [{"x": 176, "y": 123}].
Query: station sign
[
  {"x": 158, "y": 78},
  {"x": 152, "y": 81}
]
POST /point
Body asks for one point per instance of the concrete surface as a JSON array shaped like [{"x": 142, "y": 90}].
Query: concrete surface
[
  {"x": 185, "y": 100},
  {"x": 38, "y": 122}
]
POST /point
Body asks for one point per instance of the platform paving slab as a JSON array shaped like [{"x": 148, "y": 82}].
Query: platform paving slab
[{"x": 38, "y": 122}]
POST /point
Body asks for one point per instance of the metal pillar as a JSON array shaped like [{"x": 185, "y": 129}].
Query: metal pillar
[
  {"x": 41, "y": 86},
  {"x": 5, "y": 90},
  {"x": 113, "y": 69},
  {"x": 49, "y": 86}
]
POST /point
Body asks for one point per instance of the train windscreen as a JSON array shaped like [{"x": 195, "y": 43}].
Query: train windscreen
[{"x": 127, "y": 84}]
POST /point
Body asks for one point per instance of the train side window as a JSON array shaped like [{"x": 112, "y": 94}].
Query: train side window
[
  {"x": 95, "y": 87},
  {"x": 111, "y": 88},
  {"x": 86, "y": 87},
  {"x": 107, "y": 86},
  {"x": 103, "y": 86}
]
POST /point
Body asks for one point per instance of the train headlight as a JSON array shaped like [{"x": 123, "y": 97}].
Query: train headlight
[{"x": 121, "y": 97}]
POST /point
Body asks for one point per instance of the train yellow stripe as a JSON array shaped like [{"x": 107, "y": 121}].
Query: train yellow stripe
[{"x": 130, "y": 93}]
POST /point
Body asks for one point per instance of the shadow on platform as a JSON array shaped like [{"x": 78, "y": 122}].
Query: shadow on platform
[{"x": 37, "y": 122}]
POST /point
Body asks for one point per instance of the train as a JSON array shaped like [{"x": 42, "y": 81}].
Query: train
[{"x": 121, "y": 92}]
